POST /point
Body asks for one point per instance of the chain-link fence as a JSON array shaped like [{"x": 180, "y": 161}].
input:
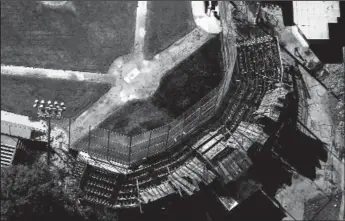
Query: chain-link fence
[{"x": 112, "y": 146}]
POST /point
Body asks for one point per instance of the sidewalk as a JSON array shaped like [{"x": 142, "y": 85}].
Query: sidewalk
[{"x": 57, "y": 74}]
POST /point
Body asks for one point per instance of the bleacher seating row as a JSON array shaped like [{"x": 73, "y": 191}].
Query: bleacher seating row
[
  {"x": 183, "y": 171},
  {"x": 7, "y": 155},
  {"x": 79, "y": 169}
]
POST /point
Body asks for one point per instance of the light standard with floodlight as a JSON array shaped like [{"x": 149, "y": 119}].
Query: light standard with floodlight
[{"x": 48, "y": 111}]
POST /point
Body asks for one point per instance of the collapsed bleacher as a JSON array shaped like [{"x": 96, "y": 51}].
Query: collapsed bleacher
[{"x": 218, "y": 155}]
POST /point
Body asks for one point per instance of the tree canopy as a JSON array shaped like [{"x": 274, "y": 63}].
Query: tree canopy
[{"x": 37, "y": 193}]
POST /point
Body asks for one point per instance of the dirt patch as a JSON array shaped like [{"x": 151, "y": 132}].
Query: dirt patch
[
  {"x": 179, "y": 89},
  {"x": 77, "y": 37},
  {"x": 18, "y": 94},
  {"x": 323, "y": 208},
  {"x": 166, "y": 22}
]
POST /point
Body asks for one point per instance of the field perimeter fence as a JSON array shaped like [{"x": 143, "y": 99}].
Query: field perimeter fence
[{"x": 111, "y": 146}]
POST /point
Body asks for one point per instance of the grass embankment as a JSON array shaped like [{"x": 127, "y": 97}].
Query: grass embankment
[
  {"x": 19, "y": 93},
  {"x": 166, "y": 22},
  {"x": 81, "y": 36},
  {"x": 184, "y": 86}
]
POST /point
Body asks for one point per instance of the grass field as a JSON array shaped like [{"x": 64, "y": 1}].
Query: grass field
[
  {"x": 184, "y": 86},
  {"x": 166, "y": 22},
  {"x": 19, "y": 93},
  {"x": 88, "y": 38}
]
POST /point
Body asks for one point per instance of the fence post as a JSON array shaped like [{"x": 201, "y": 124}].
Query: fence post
[
  {"x": 199, "y": 113},
  {"x": 183, "y": 121},
  {"x": 225, "y": 82},
  {"x": 129, "y": 150},
  {"x": 108, "y": 145},
  {"x": 148, "y": 146},
  {"x": 69, "y": 133},
  {"x": 167, "y": 141},
  {"x": 89, "y": 138},
  {"x": 215, "y": 102}
]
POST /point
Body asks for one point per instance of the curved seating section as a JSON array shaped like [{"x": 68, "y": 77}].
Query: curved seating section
[{"x": 222, "y": 152}]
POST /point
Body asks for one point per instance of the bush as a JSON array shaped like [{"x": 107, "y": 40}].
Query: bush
[{"x": 38, "y": 193}]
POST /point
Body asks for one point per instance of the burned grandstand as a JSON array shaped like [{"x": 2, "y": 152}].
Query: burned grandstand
[{"x": 226, "y": 151}]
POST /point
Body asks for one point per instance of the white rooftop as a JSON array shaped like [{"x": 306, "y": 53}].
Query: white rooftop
[
  {"x": 22, "y": 120},
  {"x": 208, "y": 23},
  {"x": 312, "y": 17}
]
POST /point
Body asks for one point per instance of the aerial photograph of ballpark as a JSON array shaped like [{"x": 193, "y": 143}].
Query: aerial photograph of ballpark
[{"x": 172, "y": 110}]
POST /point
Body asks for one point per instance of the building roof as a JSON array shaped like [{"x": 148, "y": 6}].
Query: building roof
[
  {"x": 15, "y": 130},
  {"x": 312, "y": 17},
  {"x": 8, "y": 140},
  {"x": 19, "y": 126}
]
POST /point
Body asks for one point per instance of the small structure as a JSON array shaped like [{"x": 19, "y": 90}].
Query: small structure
[
  {"x": 20, "y": 126},
  {"x": 14, "y": 130},
  {"x": 9, "y": 146},
  {"x": 313, "y": 17}
]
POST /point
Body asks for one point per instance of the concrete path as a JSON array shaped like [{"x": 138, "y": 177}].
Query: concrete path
[
  {"x": 140, "y": 29},
  {"x": 57, "y": 74}
]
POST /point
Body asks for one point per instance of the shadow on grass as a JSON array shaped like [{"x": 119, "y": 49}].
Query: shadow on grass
[
  {"x": 179, "y": 90},
  {"x": 186, "y": 84}
]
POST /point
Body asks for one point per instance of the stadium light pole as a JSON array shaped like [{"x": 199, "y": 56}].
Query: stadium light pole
[{"x": 47, "y": 111}]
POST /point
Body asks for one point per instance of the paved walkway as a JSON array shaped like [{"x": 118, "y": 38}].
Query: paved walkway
[
  {"x": 57, "y": 74},
  {"x": 140, "y": 29}
]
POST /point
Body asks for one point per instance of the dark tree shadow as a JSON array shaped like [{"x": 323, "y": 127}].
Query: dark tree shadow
[
  {"x": 270, "y": 172},
  {"x": 257, "y": 207},
  {"x": 302, "y": 152}
]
